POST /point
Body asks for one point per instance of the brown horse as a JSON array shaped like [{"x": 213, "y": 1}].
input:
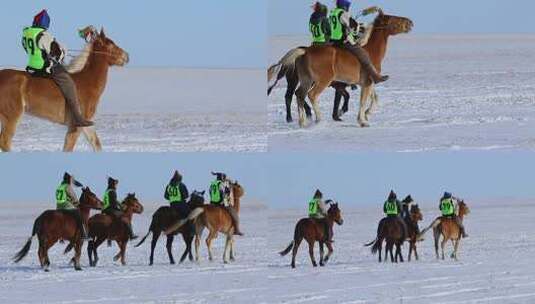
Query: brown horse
[
  {"x": 313, "y": 231},
  {"x": 217, "y": 220},
  {"x": 162, "y": 219},
  {"x": 415, "y": 215},
  {"x": 390, "y": 229},
  {"x": 449, "y": 229},
  {"x": 40, "y": 97},
  {"x": 102, "y": 227},
  {"x": 319, "y": 66},
  {"x": 54, "y": 225}
]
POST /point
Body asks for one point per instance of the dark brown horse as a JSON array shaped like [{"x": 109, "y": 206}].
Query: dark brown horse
[
  {"x": 40, "y": 97},
  {"x": 102, "y": 227},
  {"x": 55, "y": 225},
  {"x": 391, "y": 230},
  {"x": 318, "y": 67},
  {"x": 415, "y": 215},
  {"x": 162, "y": 219},
  {"x": 313, "y": 231}
]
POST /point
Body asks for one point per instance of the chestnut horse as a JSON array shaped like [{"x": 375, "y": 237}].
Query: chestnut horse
[
  {"x": 217, "y": 220},
  {"x": 448, "y": 228},
  {"x": 102, "y": 227},
  {"x": 318, "y": 67},
  {"x": 162, "y": 219},
  {"x": 54, "y": 225},
  {"x": 314, "y": 231},
  {"x": 390, "y": 230},
  {"x": 40, "y": 97},
  {"x": 415, "y": 215}
]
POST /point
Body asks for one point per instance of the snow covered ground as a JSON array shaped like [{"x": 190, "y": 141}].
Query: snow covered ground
[
  {"x": 446, "y": 92},
  {"x": 168, "y": 109},
  {"x": 495, "y": 265}
]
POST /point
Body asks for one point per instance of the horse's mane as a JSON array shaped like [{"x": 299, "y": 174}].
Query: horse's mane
[
  {"x": 368, "y": 30},
  {"x": 79, "y": 62}
]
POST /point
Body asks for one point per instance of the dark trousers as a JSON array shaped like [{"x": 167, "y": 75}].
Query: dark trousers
[{"x": 68, "y": 88}]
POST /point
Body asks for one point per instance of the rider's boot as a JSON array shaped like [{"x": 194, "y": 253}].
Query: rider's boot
[
  {"x": 131, "y": 234},
  {"x": 235, "y": 220},
  {"x": 367, "y": 64},
  {"x": 68, "y": 88}
]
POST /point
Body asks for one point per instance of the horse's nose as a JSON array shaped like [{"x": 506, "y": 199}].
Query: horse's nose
[{"x": 127, "y": 57}]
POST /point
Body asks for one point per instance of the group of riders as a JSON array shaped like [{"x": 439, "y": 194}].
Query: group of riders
[
  {"x": 176, "y": 193},
  {"x": 338, "y": 28},
  {"x": 393, "y": 209}
]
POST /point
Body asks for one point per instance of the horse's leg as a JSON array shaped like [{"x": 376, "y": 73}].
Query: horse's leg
[
  {"x": 8, "y": 131},
  {"x": 90, "y": 251},
  {"x": 398, "y": 249},
  {"x": 415, "y": 252},
  {"x": 297, "y": 242},
  {"x": 97, "y": 243},
  {"x": 77, "y": 253},
  {"x": 232, "y": 259},
  {"x": 436, "y": 236},
  {"x": 122, "y": 246},
  {"x": 70, "y": 139},
  {"x": 364, "y": 94},
  {"x": 311, "y": 252},
  {"x": 301, "y": 94},
  {"x": 187, "y": 240},
  {"x": 292, "y": 81},
  {"x": 331, "y": 250},
  {"x": 443, "y": 244},
  {"x": 211, "y": 236},
  {"x": 373, "y": 104},
  {"x": 336, "y": 106},
  {"x": 155, "y": 237},
  {"x": 169, "y": 247},
  {"x": 41, "y": 253},
  {"x": 455, "y": 247},
  {"x": 314, "y": 93},
  {"x": 321, "y": 254},
  {"x": 345, "y": 107},
  {"x": 92, "y": 138},
  {"x": 410, "y": 250},
  {"x": 390, "y": 248},
  {"x": 227, "y": 249}
]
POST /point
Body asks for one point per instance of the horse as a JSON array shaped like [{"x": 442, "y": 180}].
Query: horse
[
  {"x": 390, "y": 229},
  {"x": 38, "y": 96},
  {"x": 449, "y": 229},
  {"x": 317, "y": 67},
  {"x": 314, "y": 231},
  {"x": 162, "y": 219},
  {"x": 415, "y": 215},
  {"x": 54, "y": 225},
  {"x": 103, "y": 227},
  {"x": 217, "y": 220}
]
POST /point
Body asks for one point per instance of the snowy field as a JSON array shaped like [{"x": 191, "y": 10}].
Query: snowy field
[
  {"x": 495, "y": 265},
  {"x": 160, "y": 109},
  {"x": 464, "y": 92}
]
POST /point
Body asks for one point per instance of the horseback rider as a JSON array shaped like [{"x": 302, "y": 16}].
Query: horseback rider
[
  {"x": 392, "y": 209},
  {"x": 113, "y": 208},
  {"x": 342, "y": 35},
  {"x": 406, "y": 205},
  {"x": 177, "y": 193},
  {"x": 317, "y": 210},
  {"x": 447, "y": 207},
  {"x": 319, "y": 24},
  {"x": 218, "y": 193},
  {"x": 45, "y": 56},
  {"x": 67, "y": 201}
]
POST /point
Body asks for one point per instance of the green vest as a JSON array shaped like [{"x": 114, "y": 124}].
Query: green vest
[
  {"x": 337, "y": 32},
  {"x": 106, "y": 199},
  {"x": 36, "y": 59},
  {"x": 173, "y": 193},
  {"x": 316, "y": 30},
  {"x": 447, "y": 207},
  {"x": 391, "y": 208},
  {"x": 313, "y": 207},
  {"x": 62, "y": 199},
  {"x": 215, "y": 194}
]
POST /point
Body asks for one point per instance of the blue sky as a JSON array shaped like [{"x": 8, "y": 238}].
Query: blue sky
[
  {"x": 430, "y": 16},
  {"x": 185, "y": 33}
]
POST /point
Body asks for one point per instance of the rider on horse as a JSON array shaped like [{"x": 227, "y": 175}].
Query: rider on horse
[
  {"x": 406, "y": 204},
  {"x": 318, "y": 210},
  {"x": 113, "y": 208},
  {"x": 45, "y": 55},
  {"x": 218, "y": 193},
  {"x": 447, "y": 207},
  {"x": 342, "y": 36},
  {"x": 177, "y": 193},
  {"x": 67, "y": 201},
  {"x": 392, "y": 209},
  {"x": 319, "y": 24}
]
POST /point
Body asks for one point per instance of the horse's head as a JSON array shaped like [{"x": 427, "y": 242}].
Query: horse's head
[
  {"x": 416, "y": 214},
  {"x": 393, "y": 25},
  {"x": 104, "y": 46},
  {"x": 89, "y": 199},
  {"x": 131, "y": 202},
  {"x": 334, "y": 213},
  {"x": 237, "y": 189},
  {"x": 196, "y": 198},
  {"x": 463, "y": 208}
]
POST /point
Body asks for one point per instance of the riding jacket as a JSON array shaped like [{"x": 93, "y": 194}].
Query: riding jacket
[
  {"x": 66, "y": 197},
  {"x": 317, "y": 209},
  {"x": 43, "y": 50}
]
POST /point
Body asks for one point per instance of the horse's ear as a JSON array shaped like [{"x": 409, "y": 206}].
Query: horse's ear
[
  {"x": 380, "y": 11},
  {"x": 102, "y": 34},
  {"x": 202, "y": 192}
]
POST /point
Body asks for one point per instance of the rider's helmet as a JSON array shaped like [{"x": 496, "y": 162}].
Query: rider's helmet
[
  {"x": 219, "y": 176},
  {"x": 66, "y": 178},
  {"x": 42, "y": 20},
  {"x": 112, "y": 183},
  {"x": 177, "y": 177},
  {"x": 392, "y": 196},
  {"x": 343, "y": 4},
  {"x": 447, "y": 195},
  {"x": 318, "y": 194}
]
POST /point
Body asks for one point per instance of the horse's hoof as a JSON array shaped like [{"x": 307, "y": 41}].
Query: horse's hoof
[
  {"x": 232, "y": 259},
  {"x": 364, "y": 124},
  {"x": 336, "y": 118},
  {"x": 322, "y": 264},
  {"x": 77, "y": 268},
  {"x": 293, "y": 266},
  {"x": 289, "y": 120},
  {"x": 173, "y": 262}
]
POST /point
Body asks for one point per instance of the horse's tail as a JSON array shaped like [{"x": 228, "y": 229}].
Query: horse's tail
[
  {"x": 288, "y": 249},
  {"x": 24, "y": 251},
  {"x": 370, "y": 243},
  {"x": 376, "y": 245},
  {"x": 286, "y": 64},
  {"x": 143, "y": 239},
  {"x": 192, "y": 216},
  {"x": 433, "y": 225},
  {"x": 151, "y": 229}
]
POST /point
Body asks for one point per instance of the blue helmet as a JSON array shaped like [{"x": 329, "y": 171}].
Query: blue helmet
[
  {"x": 42, "y": 20},
  {"x": 344, "y": 4},
  {"x": 447, "y": 195}
]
